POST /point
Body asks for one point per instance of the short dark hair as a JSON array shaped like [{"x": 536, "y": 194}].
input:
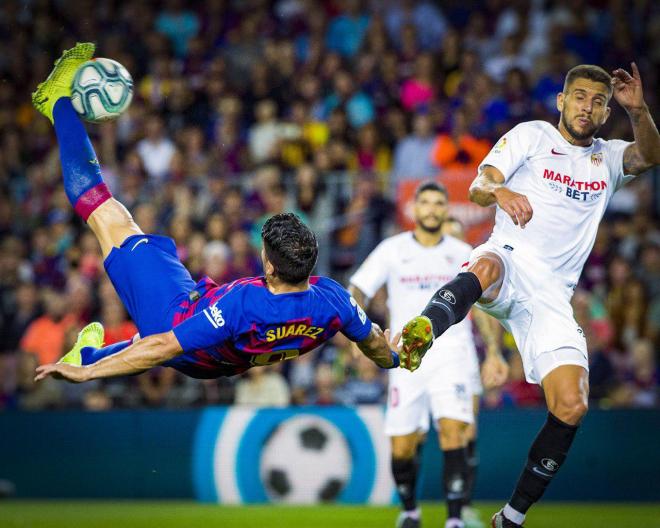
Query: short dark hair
[
  {"x": 290, "y": 246},
  {"x": 591, "y": 72},
  {"x": 431, "y": 185}
]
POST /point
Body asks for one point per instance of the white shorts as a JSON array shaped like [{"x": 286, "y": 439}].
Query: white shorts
[
  {"x": 443, "y": 387},
  {"x": 535, "y": 306}
]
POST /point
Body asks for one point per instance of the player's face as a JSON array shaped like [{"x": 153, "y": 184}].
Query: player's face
[
  {"x": 430, "y": 210},
  {"x": 583, "y": 108}
]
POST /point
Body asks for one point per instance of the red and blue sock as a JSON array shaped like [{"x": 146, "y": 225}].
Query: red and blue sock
[{"x": 83, "y": 182}]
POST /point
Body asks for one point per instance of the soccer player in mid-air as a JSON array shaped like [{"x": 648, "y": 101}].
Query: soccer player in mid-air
[
  {"x": 412, "y": 265},
  {"x": 202, "y": 330},
  {"x": 551, "y": 186}
]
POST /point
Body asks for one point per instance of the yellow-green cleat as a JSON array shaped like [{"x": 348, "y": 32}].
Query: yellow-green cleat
[
  {"x": 58, "y": 83},
  {"x": 90, "y": 336},
  {"x": 417, "y": 338}
]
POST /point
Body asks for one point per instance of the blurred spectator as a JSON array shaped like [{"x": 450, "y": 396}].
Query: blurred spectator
[
  {"x": 412, "y": 156},
  {"x": 33, "y": 396},
  {"x": 346, "y": 31},
  {"x": 263, "y": 386},
  {"x": 156, "y": 150},
  {"x": 266, "y": 133},
  {"x": 418, "y": 91},
  {"x": 324, "y": 386},
  {"x": 358, "y": 105},
  {"x": 179, "y": 24},
  {"x": 459, "y": 149},
  {"x": 625, "y": 303},
  {"x": 44, "y": 337},
  {"x": 155, "y": 384},
  {"x": 423, "y": 15},
  {"x": 367, "y": 386}
]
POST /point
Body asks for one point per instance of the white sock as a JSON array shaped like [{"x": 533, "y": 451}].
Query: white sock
[
  {"x": 513, "y": 515},
  {"x": 413, "y": 514},
  {"x": 454, "y": 523}
]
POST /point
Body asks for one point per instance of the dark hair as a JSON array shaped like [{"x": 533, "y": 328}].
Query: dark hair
[
  {"x": 290, "y": 246},
  {"x": 431, "y": 185},
  {"x": 591, "y": 72}
]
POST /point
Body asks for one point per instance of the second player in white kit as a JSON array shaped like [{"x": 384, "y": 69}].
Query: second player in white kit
[{"x": 412, "y": 265}]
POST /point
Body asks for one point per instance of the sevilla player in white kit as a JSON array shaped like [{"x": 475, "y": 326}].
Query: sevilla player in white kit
[
  {"x": 551, "y": 186},
  {"x": 412, "y": 265}
]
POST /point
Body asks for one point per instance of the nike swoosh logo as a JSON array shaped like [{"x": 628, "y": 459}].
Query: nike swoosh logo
[
  {"x": 145, "y": 240},
  {"x": 558, "y": 153},
  {"x": 542, "y": 473}
]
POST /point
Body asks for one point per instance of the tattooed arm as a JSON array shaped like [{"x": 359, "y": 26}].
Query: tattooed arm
[{"x": 644, "y": 153}]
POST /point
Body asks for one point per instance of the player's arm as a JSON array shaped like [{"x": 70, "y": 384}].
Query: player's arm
[
  {"x": 377, "y": 348},
  {"x": 495, "y": 369},
  {"x": 142, "y": 355},
  {"x": 488, "y": 188},
  {"x": 644, "y": 153}
]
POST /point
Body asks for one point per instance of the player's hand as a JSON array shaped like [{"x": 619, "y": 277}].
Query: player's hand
[
  {"x": 494, "y": 371},
  {"x": 627, "y": 88},
  {"x": 62, "y": 371},
  {"x": 395, "y": 342},
  {"x": 514, "y": 204}
]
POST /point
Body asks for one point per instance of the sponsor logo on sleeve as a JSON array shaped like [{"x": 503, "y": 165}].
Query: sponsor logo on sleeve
[
  {"x": 499, "y": 147},
  {"x": 214, "y": 315},
  {"x": 360, "y": 311}
]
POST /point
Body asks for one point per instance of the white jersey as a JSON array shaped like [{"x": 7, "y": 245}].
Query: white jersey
[
  {"x": 568, "y": 188},
  {"x": 413, "y": 273}
]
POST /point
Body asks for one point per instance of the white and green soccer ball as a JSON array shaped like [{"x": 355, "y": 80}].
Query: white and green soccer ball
[{"x": 102, "y": 89}]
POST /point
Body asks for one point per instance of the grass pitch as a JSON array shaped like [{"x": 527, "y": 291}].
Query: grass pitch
[{"x": 171, "y": 514}]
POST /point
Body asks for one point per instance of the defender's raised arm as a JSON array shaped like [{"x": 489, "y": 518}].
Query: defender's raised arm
[{"x": 644, "y": 153}]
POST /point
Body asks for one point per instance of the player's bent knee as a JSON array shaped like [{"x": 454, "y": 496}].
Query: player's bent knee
[
  {"x": 452, "y": 434},
  {"x": 571, "y": 407},
  {"x": 488, "y": 269},
  {"x": 112, "y": 224},
  {"x": 403, "y": 448}
]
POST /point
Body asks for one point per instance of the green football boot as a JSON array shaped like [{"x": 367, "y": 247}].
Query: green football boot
[
  {"x": 58, "y": 83},
  {"x": 417, "y": 338},
  {"x": 90, "y": 336}
]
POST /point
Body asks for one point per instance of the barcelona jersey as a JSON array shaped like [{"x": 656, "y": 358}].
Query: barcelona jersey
[{"x": 239, "y": 325}]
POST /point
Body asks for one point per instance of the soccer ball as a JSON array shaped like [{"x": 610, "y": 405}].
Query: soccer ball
[
  {"x": 102, "y": 89},
  {"x": 305, "y": 460}
]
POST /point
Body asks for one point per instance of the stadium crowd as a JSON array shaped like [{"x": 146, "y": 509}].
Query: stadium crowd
[{"x": 244, "y": 109}]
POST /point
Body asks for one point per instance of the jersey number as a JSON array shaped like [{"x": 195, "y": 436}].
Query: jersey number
[{"x": 261, "y": 360}]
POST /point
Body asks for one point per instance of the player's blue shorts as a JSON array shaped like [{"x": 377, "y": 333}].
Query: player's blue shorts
[{"x": 150, "y": 280}]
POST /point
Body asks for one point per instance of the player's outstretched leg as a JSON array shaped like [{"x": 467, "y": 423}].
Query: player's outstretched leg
[
  {"x": 83, "y": 181},
  {"x": 451, "y": 303},
  {"x": 89, "y": 347}
]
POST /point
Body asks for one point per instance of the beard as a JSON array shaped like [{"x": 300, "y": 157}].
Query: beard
[
  {"x": 580, "y": 136},
  {"x": 432, "y": 229}
]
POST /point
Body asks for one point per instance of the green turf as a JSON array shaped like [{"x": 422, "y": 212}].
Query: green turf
[{"x": 167, "y": 514}]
